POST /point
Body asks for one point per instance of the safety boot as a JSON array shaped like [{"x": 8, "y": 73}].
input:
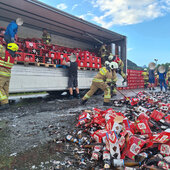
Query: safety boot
[
  {"x": 70, "y": 97},
  {"x": 107, "y": 104},
  {"x": 83, "y": 102},
  {"x": 78, "y": 96},
  {"x": 4, "y": 106}
]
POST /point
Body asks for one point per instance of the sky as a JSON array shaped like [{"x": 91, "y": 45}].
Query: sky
[{"x": 146, "y": 23}]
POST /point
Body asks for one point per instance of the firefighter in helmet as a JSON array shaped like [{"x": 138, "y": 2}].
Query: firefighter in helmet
[
  {"x": 6, "y": 63},
  {"x": 103, "y": 53},
  {"x": 145, "y": 75},
  {"x": 104, "y": 80},
  {"x": 168, "y": 77},
  {"x": 120, "y": 63},
  {"x": 46, "y": 37}
]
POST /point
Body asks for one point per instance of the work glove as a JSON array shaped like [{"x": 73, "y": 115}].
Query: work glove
[{"x": 12, "y": 39}]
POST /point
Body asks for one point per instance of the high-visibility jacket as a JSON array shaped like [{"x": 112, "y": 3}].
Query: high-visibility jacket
[
  {"x": 6, "y": 62},
  {"x": 105, "y": 75},
  {"x": 168, "y": 76},
  {"x": 120, "y": 64},
  {"x": 145, "y": 75}
]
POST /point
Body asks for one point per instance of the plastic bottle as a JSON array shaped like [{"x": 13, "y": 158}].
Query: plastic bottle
[
  {"x": 72, "y": 139},
  {"x": 122, "y": 162},
  {"x": 142, "y": 156},
  {"x": 106, "y": 159}
]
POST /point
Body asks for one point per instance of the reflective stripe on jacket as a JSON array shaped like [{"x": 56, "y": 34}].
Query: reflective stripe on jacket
[{"x": 7, "y": 61}]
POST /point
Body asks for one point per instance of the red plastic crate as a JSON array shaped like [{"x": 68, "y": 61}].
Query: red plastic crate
[
  {"x": 37, "y": 40},
  {"x": 93, "y": 65},
  {"x": 39, "y": 59},
  {"x": 52, "y": 55},
  {"x": 29, "y": 57},
  {"x": 40, "y": 46},
  {"x": 85, "y": 53},
  {"x": 34, "y": 51},
  {"x": 19, "y": 56},
  {"x": 29, "y": 44},
  {"x": 98, "y": 65},
  {"x": 98, "y": 59},
  {"x": 82, "y": 63},
  {"x": 86, "y": 58}
]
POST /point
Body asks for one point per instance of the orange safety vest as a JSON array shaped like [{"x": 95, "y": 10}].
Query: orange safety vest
[{"x": 7, "y": 61}]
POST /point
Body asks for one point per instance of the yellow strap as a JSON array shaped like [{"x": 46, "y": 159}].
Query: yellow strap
[
  {"x": 5, "y": 74},
  {"x": 86, "y": 96},
  {"x": 108, "y": 96},
  {"x": 2, "y": 97},
  {"x": 97, "y": 80},
  {"x": 108, "y": 80},
  {"x": 103, "y": 71}
]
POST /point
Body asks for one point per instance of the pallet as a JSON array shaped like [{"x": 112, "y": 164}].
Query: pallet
[
  {"x": 19, "y": 62},
  {"x": 50, "y": 65},
  {"x": 82, "y": 68},
  {"x": 25, "y": 63},
  {"x": 40, "y": 64}
]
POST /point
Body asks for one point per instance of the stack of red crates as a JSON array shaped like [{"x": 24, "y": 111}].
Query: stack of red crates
[
  {"x": 135, "y": 79},
  {"x": 33, "y": 50}
]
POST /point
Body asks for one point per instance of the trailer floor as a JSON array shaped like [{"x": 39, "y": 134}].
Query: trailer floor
[{"x": 33, "y": 129}]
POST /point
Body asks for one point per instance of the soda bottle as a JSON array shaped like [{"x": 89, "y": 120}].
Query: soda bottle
[
  {"x": 72, "y": 139},
  {"x": 142, "y": 156},
  {"x": 106, "y": 159},
  {"x": 122, "y": 162}
]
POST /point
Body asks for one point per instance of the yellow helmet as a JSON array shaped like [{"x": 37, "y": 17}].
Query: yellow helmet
[{"x": 12, "y": 47}]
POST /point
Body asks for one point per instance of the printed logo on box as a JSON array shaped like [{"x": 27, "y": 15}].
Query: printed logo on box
[{"x": 135, "y": 149}]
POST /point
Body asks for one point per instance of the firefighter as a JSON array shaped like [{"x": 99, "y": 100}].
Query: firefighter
[
  {"x": 6, "y": 63},
  {"x": 120, "y": 65},
  {"x": 168, "y": 77},
  {"x": 103, "y": 53},
  {"x": 46, "y": 37},
  {"x": 104, "y": 80},
  {"x": 12, "y": 30},
  {"x": 145, "y": 75}
]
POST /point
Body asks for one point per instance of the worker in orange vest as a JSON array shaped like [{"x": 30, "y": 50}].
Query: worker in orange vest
[{"x": 6, "y": 63}]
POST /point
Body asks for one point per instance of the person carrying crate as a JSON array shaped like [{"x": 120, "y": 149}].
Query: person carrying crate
[
  {"x": 104, "y": 80},
  {"x": 6, "y": 64}
]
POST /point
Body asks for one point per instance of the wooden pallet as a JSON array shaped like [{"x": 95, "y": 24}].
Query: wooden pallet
[
  {"x": 88, "y": 68},
  {"x": 30, "y": 63},
  {"x": 50, "y": 65},
  {"x": 40, "y": 64},
  {"x": 19, "y": 62},
  {"x": 25, "y": 63}
]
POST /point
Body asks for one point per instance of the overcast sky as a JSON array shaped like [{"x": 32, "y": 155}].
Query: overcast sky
[{"x": 146, "y": 23}]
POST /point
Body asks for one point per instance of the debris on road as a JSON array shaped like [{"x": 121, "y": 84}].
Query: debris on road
[{"x": 138, "y": 137}]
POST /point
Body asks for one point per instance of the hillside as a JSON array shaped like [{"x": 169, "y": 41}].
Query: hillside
[{"x": 131, "y": 65}]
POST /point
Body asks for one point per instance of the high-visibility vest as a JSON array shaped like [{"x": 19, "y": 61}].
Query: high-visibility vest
[{"x": 7, "y": 61}]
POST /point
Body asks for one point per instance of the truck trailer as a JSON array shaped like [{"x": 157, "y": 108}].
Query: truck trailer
[{"x": 66, "y": 30}]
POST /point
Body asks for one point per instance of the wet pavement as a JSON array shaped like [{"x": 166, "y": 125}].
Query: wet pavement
[{"x": 33, "y": 130}]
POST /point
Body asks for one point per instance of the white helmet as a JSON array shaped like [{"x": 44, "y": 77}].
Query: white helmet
[
  {"x": 19, "y": 21},
  {"x": 110, "y": 58},
  {"x": 113, "y": 65},
  {"x": 145, "y": 69},
  {"x": 107, "y": 63}
]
